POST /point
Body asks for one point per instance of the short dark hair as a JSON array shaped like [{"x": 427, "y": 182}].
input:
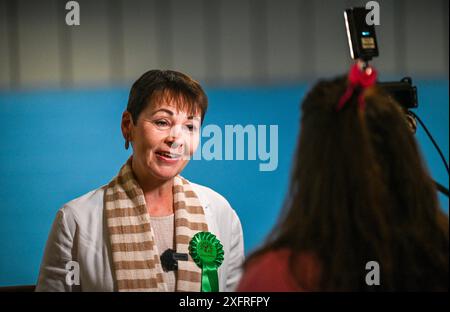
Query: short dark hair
[{"x": 155, "y": 85}]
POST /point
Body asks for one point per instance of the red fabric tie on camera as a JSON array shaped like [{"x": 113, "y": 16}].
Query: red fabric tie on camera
[{"x": 358, "y": 77}]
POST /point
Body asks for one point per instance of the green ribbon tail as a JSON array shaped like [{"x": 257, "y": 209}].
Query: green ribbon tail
[{"x": 210, "y": 280}]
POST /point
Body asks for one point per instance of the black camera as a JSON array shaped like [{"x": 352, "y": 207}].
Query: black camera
[
  {"x": 362, "y": 39},
  {"x": 363, "y": 45},
  {"x": 403, "y": 92}
]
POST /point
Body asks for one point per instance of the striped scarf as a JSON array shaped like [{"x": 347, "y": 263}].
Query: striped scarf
[{"x": 136, "y": 261}]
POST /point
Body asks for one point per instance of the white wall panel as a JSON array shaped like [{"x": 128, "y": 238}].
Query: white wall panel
[
  {"x": 140, "y": 39},
  {"x": 330, "y": 42},
  {"x": 235, "y": 41},
  {"x": 425, "y": 44},
  {"x": 188, "y": 37},
  {"x": 91, "y": 44},
  {"x": 4, "y": 48},
  {"x": 38, "y": 43}
]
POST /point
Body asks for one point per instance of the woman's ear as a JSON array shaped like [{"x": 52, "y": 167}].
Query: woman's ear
[{"x": 127, "y": 125}]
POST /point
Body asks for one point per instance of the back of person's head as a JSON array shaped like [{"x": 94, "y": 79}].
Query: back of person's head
[{"x": 360, "y": 192}]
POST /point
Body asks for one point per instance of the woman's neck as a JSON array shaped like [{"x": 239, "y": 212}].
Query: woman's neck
[
  {"x": 158, "y": 194},
  {"x": 159, "y": 200}
]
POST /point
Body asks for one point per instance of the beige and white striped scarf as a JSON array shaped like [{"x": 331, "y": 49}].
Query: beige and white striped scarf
[{"x": 136, "y": 262}]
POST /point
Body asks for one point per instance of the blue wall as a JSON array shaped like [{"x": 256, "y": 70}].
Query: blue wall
[{"x": 57, "y": 145}]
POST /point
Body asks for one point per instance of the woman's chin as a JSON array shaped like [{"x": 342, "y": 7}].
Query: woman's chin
[{"x": 165, "y": 173}]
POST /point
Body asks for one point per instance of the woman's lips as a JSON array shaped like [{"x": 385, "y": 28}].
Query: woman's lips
[{"x": 168, "y": 157}]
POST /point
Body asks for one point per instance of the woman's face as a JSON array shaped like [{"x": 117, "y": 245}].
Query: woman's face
[{"x": 163, "y": 140}]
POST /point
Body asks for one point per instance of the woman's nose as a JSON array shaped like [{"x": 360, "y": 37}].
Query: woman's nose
[
  {"x": 174, "y": 139},
  {"x": 174, "y": 143}
]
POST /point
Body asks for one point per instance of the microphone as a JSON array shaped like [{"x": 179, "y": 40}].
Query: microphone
[{"x": 169, "y": 259}]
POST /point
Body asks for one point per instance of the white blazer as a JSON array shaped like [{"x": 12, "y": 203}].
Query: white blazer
[{"x": 79, "y": 233}]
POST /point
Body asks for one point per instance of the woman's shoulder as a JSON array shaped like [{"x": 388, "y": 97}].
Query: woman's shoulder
[
  {"x": 85, "y": 206},
  {"x": 271, "y": 272},
  {"x": 210, "y": 198}
]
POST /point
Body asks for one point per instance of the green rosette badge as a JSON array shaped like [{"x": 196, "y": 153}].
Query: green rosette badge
[{"x": 207, "y": 252}]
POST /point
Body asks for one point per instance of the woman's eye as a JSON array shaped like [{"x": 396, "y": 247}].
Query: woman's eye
[
  {"x": 161, "y": 123},
  {"x": 191, "y": 127}
]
